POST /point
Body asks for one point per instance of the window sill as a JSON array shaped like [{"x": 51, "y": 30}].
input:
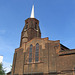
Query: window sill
[{"x": 33, "y": 63}]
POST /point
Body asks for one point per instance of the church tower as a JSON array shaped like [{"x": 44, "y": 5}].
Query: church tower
[
  {"x": 31, "y": 29},
  {"x": 41, "y": 56}
]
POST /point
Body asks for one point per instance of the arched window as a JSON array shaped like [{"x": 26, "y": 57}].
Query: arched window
[
  {"x": 37, "y": 53},
  {"x": 30, "y": 53},
  {"x": 36, "y": 26},
  {"x": 26, "y": 25},
  {"x": 74, "y": 70}
]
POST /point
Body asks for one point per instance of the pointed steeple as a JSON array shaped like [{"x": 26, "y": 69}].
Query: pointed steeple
[
  {"x": 31, "y": 29},
  {"x": 32, "y": 12}
]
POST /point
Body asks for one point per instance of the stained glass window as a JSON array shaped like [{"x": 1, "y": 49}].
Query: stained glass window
[
  {"x": 37, "y": 53},
  {"x": 74, "y": 69},
  {"x": 30, "y": 53}
]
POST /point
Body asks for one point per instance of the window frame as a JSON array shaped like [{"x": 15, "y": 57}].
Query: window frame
[
  {"x": 37, "y": 53},
  {"x": 30, "y": 53},
  {"x": 26, "y": 25},
  {"x": 36, "y": 25}
]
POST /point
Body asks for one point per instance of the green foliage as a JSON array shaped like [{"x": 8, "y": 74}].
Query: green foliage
[{"x": 2, "y": 71}]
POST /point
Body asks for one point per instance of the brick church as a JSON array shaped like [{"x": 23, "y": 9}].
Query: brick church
[{"x": 41, "y": 56}]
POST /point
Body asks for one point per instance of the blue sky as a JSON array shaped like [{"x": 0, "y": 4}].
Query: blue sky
[{"x": 57, "y": 21}]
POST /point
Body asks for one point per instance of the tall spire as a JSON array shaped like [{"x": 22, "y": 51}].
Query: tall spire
[{"x": 32, "y": 12}]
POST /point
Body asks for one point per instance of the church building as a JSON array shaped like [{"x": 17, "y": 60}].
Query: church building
[{"x": 41, "y": 56}]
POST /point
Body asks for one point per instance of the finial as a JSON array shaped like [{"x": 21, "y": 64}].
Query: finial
[{"x": 32, "y": 12}]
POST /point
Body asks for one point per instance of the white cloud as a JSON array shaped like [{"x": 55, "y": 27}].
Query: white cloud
[
  {"x": 1, "y": 59},
  {"x": 6, "y": 50},
  {"x": 7, "y": 66}
]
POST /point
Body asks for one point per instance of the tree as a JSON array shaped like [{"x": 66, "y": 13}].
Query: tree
[{"x": 2, "y": 71}]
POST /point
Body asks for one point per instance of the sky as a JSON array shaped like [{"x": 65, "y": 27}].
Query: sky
[{"x": 56, "y": 17}]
